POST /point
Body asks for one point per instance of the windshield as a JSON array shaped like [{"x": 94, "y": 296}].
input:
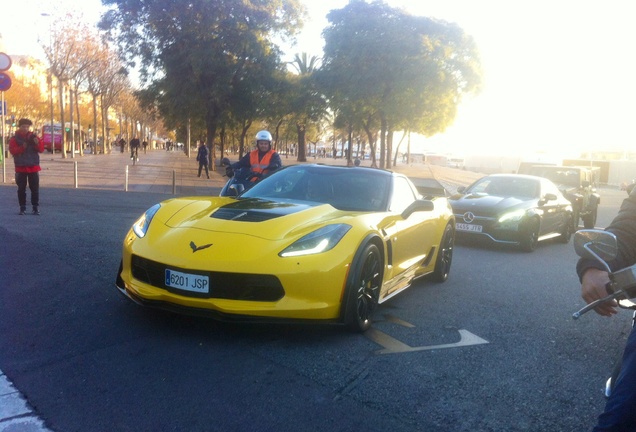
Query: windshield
[
  {"x": 352, "y": 189},
  {"x": 564, "y": 176},
  {"x": 518, "y": 187}
]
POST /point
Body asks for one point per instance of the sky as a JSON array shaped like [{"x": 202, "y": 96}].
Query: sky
[{"x": 558, "y": 74}]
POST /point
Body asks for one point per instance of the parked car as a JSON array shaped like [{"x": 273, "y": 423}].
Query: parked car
[
  {"x": 513, "y": 209},
  {"x": 578, "y": 185},
  {"x": 310, "y": 242}
]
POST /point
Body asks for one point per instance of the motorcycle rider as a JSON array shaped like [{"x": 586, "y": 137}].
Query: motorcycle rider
[
  {"x": 134, "y": 148},
  {"x": 261, "y": 160},
  {"x": 620, "y": 409}
]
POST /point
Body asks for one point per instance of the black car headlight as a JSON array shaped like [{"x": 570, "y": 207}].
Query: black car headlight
[
  {"x": 321, "y": 240},
  {"x": 140, "y": 227}
]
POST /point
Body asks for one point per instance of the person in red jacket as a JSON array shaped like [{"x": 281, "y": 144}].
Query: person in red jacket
[{"x": 26, "y": 147}]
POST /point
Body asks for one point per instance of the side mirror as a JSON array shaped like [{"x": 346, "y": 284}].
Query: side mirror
[
  {"x": 418, "y": 205},
  {"x": 235, "y": 189},
  {"x": 461, "y": 189},
  {"x": 596, "y": 244},
  {"x": 550, "y": 197}
]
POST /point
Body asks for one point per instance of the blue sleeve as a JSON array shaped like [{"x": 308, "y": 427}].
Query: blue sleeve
[
  {"x": 244, "y": 162},
  {"x": 276, "y": 160},
  {"x": 624, "y": 228}
]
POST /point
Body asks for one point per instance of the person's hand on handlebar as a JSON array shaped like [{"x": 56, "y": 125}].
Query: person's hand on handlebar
[
  {"x": 229, "y": 171},
  {"x": 593, "y": 288}
]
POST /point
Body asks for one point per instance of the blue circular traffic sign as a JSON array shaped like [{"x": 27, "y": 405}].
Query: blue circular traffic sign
[{"x": 5, "y": 81}]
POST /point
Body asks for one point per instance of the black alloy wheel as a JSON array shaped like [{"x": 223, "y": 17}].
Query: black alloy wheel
[
  {"x": 566, "y": 232},
  {"x": 589, "y": 220},
  {"x": 364, "y": 289},
  {"x": 530, "y": 236},
  {"x": 445, "y": 255}
]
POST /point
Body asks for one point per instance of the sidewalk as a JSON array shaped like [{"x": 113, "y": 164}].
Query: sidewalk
[
  {"x": 156, "y": 171},
  {"x": 160, "y": 171}
]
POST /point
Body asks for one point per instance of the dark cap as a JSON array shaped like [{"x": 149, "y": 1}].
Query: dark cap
[{"x": 24, "y": 121}]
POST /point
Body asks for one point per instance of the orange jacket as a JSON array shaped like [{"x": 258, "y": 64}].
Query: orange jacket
[{"x": 260, "y": 166}]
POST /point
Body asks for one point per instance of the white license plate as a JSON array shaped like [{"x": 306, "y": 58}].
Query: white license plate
[
  {"x": 468, "y": 227},
  {"x": 187, "y": 282}
]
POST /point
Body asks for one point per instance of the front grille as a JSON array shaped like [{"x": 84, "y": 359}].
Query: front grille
[{"x": 231, "y": 286}]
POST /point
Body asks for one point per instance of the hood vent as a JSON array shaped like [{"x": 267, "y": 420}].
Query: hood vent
[{"x": 241, "y": 215}]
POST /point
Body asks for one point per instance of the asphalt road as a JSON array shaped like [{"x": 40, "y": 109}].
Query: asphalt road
[{"x": 85, "y": 358}]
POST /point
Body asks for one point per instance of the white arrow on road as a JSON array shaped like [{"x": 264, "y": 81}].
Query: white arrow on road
[{"x": 393, "y": 346}]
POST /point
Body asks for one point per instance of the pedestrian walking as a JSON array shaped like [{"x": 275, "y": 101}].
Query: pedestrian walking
[
  {"x": 25, "y": 146},
  {"x": 202, "y": 158},
  {"x": 122, "y": 144}
]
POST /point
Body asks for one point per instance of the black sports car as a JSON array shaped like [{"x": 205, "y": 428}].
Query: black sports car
[{"x": 513, "y": 208}]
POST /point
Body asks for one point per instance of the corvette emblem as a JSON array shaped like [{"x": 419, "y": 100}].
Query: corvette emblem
[{"x": 198, "y": 248}]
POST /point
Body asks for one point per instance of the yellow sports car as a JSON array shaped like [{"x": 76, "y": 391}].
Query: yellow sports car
[{"x": 309, "y": 243}]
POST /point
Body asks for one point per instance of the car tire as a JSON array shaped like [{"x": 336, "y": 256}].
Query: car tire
[
  {"x": 445, "y": 255},
  {"x": 363, "y": 289},
  {"x": 566, "y": 234},
  {"x": 589, "y": 220},
  {"x": 530, "y": 237},
  {"x": 575, "y": 220}
]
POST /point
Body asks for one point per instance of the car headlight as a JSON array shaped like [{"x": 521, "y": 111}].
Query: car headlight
[
  {"x": 321, "y": 240},
  {"x": 140, "y": 227},
  {"x": 514, "y": 216}
]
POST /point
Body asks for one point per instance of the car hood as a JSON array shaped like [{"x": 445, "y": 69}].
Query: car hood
[
  {"x": 487, "y": 204},
  {"x": 253, "y": 217}
]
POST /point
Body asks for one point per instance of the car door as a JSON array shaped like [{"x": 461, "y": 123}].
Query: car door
[
  {"x": 553, "y": 210},
  {"x": 410, "y": 239}
]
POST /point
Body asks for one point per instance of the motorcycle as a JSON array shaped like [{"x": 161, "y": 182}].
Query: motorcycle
[
  {"x": 242, "y": 179},
  {"x": 602, "y": 246}
]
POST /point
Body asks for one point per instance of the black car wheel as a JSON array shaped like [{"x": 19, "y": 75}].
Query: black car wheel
[
  {"x": 589, "y": 220},
  {"x": 530, "y": 236},
  {"x": 566, "y": 233},
  {"x": 445, "y": 255},
  {"x": 364, "y": 289}
]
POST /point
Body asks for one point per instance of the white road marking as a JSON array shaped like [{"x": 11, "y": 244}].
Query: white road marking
[{"x": 394, "y": 346}]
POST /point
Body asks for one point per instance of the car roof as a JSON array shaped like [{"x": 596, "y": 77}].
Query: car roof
[
  {"x": 526, "y": 176},
  {"x": 323, "y": 168}
]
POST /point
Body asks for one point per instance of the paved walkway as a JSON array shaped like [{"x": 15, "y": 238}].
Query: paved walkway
[
  {"x": 156, "y": 171},
  {"x": 160, "y": 171}
]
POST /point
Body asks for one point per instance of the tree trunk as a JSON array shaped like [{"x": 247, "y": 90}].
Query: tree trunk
[
  {"x": 242, "y": 141},
  {"x": 211, "y": 126},
  {"x": 94, "y": 137},
  {"x": 398, "y": 147},
  {"x": 60, "y": 91},
  {"x": 383, "y": 127},
  {"x": 389, "y": 146},
  {"x": 302, "y": 152},
  {"x": 372, "y": 142},
  {"x": 350, "y": 145}
]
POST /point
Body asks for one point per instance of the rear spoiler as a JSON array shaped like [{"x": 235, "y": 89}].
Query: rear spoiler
[{"x": 429, "y": 187}]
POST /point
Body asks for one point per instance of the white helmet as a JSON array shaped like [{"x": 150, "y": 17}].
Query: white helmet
[{"x": 264, "y": 136}]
